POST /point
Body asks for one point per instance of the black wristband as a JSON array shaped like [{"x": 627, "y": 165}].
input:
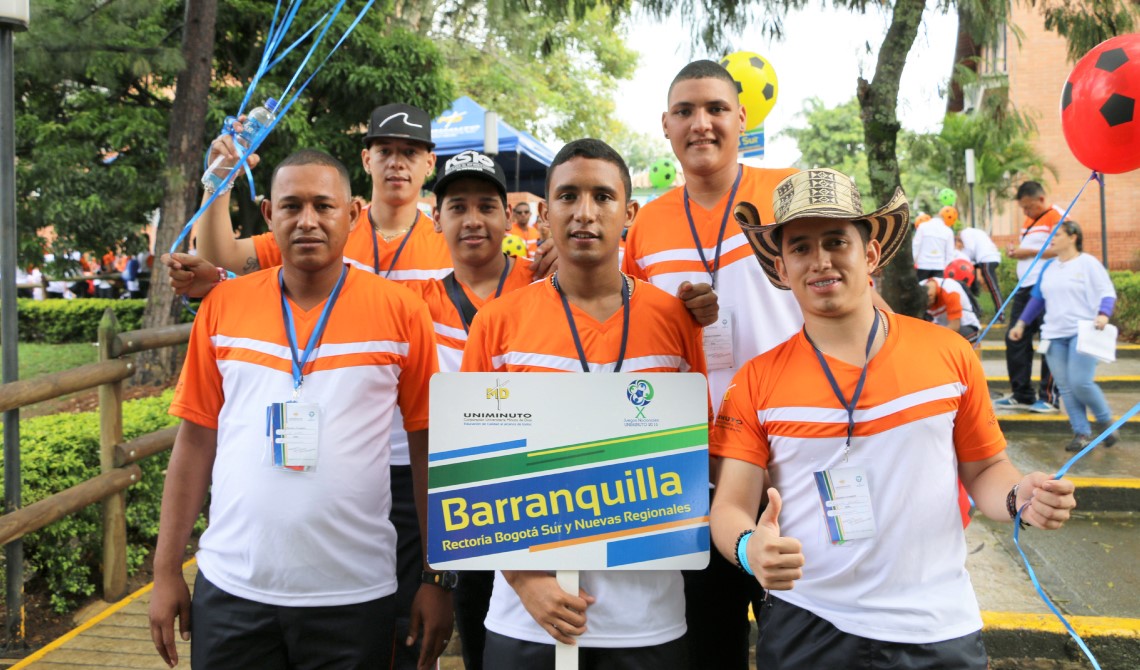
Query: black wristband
[
  {"x": 1011, "y": 505},
  {"x": 736, "y": 551}
]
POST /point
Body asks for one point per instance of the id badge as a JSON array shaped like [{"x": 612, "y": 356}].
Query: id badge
[
  {"x": 718, "y": 338},
  {"x": 292, "y": 431},
  {"x": 845, "y": 500}
]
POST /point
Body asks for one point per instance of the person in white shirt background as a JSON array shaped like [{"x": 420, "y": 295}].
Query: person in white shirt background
[
  {"x": 933, "y": 244},
  {"x": 986, "y": 257},
  {"x": 1073, "y": 287}
]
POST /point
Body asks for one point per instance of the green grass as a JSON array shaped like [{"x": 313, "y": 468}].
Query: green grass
[{"x": 41, "y": 359}]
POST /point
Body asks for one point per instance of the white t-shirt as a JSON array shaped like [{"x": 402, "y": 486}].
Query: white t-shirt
[
  {"x": 1072, "y": 291},
  {"x": 933, "y": 245},
  {"x": 978, "y": 246}
]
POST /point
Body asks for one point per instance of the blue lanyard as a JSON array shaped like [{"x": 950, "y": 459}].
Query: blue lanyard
[
  {"x": 399, "y": 249},
  {"x": 715, "y": 267},
  {"x": 574, "y": 328},
  {"x": 318, "y": 331},
  {"x": 849, "y": 406},
  {"x": 498, "y": 292}
]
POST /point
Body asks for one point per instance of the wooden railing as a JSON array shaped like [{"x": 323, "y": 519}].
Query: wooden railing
[{"x": 117, "y": 459}]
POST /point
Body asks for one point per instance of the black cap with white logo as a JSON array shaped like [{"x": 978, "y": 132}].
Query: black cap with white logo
[
  {"x": 400, "y": 121},
  {"x": 471, "y": 165}
]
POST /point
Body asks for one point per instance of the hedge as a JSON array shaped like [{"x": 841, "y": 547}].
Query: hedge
[
  {"x": 62, "y": 450},
  {"x": 60, "y": 321}
]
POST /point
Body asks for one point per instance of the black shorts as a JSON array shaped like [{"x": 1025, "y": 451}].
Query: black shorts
[
  {"x": 505, "y": 653},
  {"x": 792, "y": 638},
  {"x": 232, "y": 632}
]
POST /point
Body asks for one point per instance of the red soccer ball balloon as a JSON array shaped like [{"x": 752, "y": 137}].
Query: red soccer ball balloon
[{"x": 1099, "y": 106}]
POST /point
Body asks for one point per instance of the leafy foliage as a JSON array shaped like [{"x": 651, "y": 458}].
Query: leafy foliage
[
  {"x": 1085, "y": 24},
  {"x": 59, "y": 321},
  {"x": 61, "y": 451}
]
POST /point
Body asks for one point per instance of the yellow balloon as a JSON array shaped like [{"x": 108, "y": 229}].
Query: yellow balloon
[
  {"x": 756, "y": 80},
  {"x": 513, "y": 245}
]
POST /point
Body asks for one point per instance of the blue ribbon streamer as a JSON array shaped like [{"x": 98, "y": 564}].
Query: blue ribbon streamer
[{"x": 255, "y": 143}]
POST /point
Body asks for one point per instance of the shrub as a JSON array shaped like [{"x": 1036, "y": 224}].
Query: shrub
[
  {"x": 1127, "y": 315},
  {"x": 62, "y": 450},
  {"x": 59, "y": 321}
]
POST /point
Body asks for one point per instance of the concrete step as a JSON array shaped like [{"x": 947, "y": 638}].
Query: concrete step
[
  {"x": 995, "y": 350},
  {"x": 1087, "y": 568}
]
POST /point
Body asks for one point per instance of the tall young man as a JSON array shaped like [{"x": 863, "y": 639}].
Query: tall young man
[
  {"x": 689, "y": 235},
  {"x": 471, "y": 215},
  {"x": 833, "y": 419},
  {"x": 587, "y": 317},
  {"x": 298, "y": 565},
  {"x": 1040, "y": 219}
]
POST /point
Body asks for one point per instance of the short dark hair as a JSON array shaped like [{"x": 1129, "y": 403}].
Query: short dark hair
[
  {"x": 1073, "y": 228},
  {"x": 702, "y": 69},
  {"x": 1029, "y": 189},
  {"x": 315, "y": 157},
  {"x": 595, "y": 150},
  {"x": 863, "y": 227}
]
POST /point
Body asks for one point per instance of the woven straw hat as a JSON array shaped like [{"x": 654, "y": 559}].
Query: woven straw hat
[{"x": 821, "y": 193}]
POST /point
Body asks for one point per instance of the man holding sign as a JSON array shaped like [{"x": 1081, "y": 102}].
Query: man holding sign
[
  {"x": 587, "y": 317},
  {"x": 863, "y": 422}
]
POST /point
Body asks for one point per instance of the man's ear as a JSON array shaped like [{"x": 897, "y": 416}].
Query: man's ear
[
  {"x": 782, "y": 270},
  {"x": 874, "y": 254},
  {"x": 267, "y": 212}
]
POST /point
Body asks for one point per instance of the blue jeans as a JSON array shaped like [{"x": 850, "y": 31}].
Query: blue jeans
[{"x": 1073, "y": 372}]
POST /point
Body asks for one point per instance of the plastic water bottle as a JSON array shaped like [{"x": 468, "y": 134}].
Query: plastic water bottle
[{"x": 255, "y": 121}]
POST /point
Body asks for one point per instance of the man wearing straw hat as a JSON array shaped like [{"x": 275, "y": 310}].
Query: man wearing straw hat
[{"x": 863, "y": 422}]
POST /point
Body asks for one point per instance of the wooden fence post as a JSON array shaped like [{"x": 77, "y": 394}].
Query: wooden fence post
[{"x": 110, "y": 435}]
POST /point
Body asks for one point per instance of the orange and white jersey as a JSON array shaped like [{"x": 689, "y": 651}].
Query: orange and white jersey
[
  {"x": 268, "y": 527},
  {"x": 527, "y": 331},
  {"x": 529, "y": 235},
  {"x": 1034, "y": 232},
  {"x": 924, "y": 408},
  {"x": 660, "y": 249},
  {"x": 423, "y": 256},
  {"x": 450, "y": 335}
]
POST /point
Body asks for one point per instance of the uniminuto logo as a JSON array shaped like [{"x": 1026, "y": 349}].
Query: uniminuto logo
[{"x": 640, "y": 394}]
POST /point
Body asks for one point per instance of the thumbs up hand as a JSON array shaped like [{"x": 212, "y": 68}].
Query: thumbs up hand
[{"x": 777, "y": 561}]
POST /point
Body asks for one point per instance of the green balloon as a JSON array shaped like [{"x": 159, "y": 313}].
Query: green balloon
[
  {"x": 947, "y": 197},
  {"x": 662, "y": 173}
]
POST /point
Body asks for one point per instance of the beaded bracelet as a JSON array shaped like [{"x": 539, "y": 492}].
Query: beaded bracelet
[
  {"x": 742, "y": 552},
  {"x": 1011, "y": 505}
]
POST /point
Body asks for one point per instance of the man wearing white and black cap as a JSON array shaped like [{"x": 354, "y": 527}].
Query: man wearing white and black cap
[{"x": 863, "y": 423}]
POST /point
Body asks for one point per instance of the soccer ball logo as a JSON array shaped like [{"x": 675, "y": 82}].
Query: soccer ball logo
[
  {"x": 755, "y": 82},
  {"x": 1098, "y": 106},
  {"x": 640, "y": 394},
  {"x": 513, "y": 245},
  {"x": 662, "y": 173}
]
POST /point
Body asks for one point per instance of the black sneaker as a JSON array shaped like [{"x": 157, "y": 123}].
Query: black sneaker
[
  {"x": 1078, "y": 442},
  {"x": 1110, "y": 439}
]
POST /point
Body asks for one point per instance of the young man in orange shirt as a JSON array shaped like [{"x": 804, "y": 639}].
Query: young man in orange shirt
[
  {"x": 298, "y": 564},
  {"x": 1040, "y": 219},
  {"x": 688, "y": 235},
  {"x": 588, "y": 317},
  {"x": 522, "y": 227},
  {"x": 859, "y": 421}
]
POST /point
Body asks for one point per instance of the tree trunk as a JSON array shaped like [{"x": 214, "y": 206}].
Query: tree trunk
[
  {"x": 183, "y": 165},
  {"x": 967, "y": 53},
  {"x": 879, "y": 102}
]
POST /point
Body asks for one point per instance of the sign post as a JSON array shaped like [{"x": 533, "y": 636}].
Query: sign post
[{"x": 568, "y": 472}]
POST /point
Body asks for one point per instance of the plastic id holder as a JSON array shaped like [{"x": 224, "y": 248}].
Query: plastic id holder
[
  {"x": 718, "y": 341},
  {"x": 845, "y": 500},
  {"x": 292, "y": 431}
]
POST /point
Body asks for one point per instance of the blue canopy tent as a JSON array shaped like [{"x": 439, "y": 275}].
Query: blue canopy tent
[{"x": 524, "y": 158}]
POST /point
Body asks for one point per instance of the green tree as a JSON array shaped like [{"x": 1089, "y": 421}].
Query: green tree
[
  {"x": 640, "y": 150},
  {"x": 832, "y": 138}
]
